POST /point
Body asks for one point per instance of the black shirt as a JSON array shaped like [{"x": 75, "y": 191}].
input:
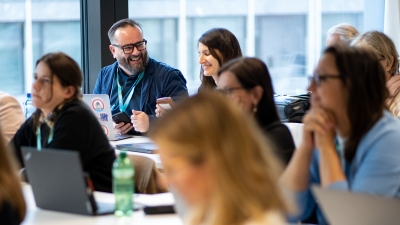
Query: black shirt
[
  {"x": 280, "y": 135},
  {"x": 75, "y": 129},
  {"x": 8, "y": 215}
]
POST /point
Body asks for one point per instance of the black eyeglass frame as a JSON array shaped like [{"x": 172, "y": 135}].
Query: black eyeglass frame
[
  {"x": 229, "y": 91},
  {"x": 319, "y": 78},
  {"x": 133, "y": 46}
]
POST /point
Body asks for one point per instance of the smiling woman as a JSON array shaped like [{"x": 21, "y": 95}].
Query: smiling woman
[{"x": 215, "y": 47}]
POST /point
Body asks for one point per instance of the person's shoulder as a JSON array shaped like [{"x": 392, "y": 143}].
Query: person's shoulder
[
  {"x": 7, "y": 98},
  {"x": 386, "y": 131},
  {"x": 77, "y": 107},
  {"x": 387, "y": 123},
  {"x": 8, "y": 215},
  {"x": 277, "y": 128},
  {"x": 161, "y": 68},
  {"x": 277, "y": 125},
  {"x": 109, "y": 68}
]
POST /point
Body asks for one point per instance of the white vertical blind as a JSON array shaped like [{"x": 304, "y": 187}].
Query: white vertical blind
[
  {"x": 28, "y": 47},
  {"x": 250, "y": 35},
  {"x": 314, "y": 34},
  {"x": 182, "y": 58}
]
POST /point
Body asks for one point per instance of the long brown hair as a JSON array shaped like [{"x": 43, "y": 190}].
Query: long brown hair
[
  {"x": 10, "y": 184},
  {"x": 244, "y": 169},
  {"x": 226, "y": 43},
  {"x": 68, "y": 73},
  {"x": 364, "y": 79},
  {"x": 252, "y": 72}
]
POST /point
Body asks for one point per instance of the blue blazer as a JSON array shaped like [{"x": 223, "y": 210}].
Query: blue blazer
[{"x": 160, "y": 80}]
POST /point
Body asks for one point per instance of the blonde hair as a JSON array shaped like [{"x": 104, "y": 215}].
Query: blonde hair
[
  {"x": 345, "y": 31},
  {"x": 10, "y": 184},
  {"x": 209, "y": 129},
  {"x": 382, "y": 45}
]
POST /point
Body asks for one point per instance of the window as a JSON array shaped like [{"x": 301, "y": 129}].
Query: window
[
  {"x": 281, "y": 37},
  {"x": 30, "y": 29}
]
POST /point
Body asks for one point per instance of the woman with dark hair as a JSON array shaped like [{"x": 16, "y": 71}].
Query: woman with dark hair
[
  {"x": 63, "y": 121},
  {"x": 247, "y": 82},
  {"x": 215, "y": 47},
  {"x": 350, "y": 141}
]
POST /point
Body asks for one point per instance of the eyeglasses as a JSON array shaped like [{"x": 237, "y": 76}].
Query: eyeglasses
[
  {"x": 228, "y": 91},
  {"x": 319, "y": 78},
  {"x": 128, "y": 49}
]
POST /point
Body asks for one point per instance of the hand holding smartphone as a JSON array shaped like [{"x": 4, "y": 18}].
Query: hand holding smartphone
[
  {"x": 165, "y": 102},
  {"x": 121, "y": 117}
]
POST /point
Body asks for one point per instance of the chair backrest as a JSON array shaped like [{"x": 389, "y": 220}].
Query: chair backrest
[
  {"x": 296, "y": 129},
  {"x": 148, "y": 178}
]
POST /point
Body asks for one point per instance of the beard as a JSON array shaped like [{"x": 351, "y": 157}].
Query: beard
[{"x": 134, "y": 69}]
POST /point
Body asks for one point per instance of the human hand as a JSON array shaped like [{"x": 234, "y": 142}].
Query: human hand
[
  {"x": 318, "y": 131},
  {"x": 122, "y": 128},
  {"x": 140, "y": 121},
  {"x": 160, "y": 111},
  {"x": 393, "y": 85}
]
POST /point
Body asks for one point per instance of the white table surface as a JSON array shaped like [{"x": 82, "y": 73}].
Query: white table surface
[
  {"x": 39, "y": 216},
  {"x": 139, "y": 139}
]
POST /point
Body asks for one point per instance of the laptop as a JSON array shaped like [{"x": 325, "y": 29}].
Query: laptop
[
  {"x": 59, "y": 183},
  {"x": 342, "y": 207},
  {"x": 146, "y": 147},
  {"x": 100, "y": 106}
]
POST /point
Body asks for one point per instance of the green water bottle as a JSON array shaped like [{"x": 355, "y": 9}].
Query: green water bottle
[{"x": 123, "y": 173}]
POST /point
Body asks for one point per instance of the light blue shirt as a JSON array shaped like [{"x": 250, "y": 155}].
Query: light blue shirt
[{"x": 375, "y": 168}]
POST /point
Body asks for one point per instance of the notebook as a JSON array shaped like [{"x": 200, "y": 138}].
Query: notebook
[
  {"x": 342, "y": 207},
  {"x": 59, "y": 183},
  {"x": 146, "y": 147},
  {"x": 100, "y": 106}
]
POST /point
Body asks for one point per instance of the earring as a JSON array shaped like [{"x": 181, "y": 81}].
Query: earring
[{"x": 255, "y": 109}]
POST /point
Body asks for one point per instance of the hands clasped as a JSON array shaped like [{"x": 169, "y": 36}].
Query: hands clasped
[{"x": 319, "y": 129}]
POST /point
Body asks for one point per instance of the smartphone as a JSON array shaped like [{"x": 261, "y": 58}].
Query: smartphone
[
  {"x": 162, "y": 209},
  {"x": 165, "y": 102},
  {"x": 121, "y": 117}
]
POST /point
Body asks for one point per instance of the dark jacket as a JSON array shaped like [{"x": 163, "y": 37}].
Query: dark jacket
[
  {"x": 160, "y": 80},
  {"x": 281, "y": 137},
  {"x": 75, "y": 129},
  {"x": 8, "y": 215}
]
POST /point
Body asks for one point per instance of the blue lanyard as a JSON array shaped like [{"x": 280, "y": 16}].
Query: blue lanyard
[
  {"x": 128, "y": 96},
  {"x": 39, "y": 138}
]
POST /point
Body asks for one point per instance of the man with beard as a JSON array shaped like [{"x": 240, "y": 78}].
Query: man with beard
[{"x": 135, "y": 81}]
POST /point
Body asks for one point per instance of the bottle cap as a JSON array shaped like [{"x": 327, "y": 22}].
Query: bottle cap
[
  {"x": 122, "y": 155},
  {"x": 28, "y": 95}
]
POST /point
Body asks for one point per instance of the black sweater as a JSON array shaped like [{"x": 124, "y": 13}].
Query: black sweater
[
  {"x": 75, "y": 129},
  {"x": 8, "y": 215},
  {"x": 280, "y": 135}
]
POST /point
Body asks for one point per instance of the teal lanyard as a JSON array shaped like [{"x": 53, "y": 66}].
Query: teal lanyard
[
  {"x": 128, "y": 96},
  {"x": 39, "y": 138}
]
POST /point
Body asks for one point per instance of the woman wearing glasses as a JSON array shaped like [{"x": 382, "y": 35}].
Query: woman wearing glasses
[
  {"x": 247, "y": 82},
  {"x": 386, "y": 51},
  {"x": 350, "y": 141},
  {"x": 220, "y": 164},
  {"x": 63, "y": 121}
]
